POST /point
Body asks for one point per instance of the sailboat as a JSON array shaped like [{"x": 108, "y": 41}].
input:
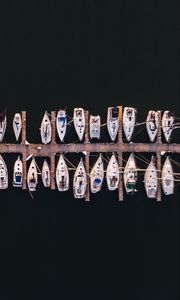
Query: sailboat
[
  {"x": 167, "y": 124},
  {"x": 46, "y": 175},
  {"x": 112, "y": 173},
  {"x": 97, "y": 175},
  {"x": 94, "y": 126},
  {"x": 80, "y": 181},
  {"x": 79, "y": 122},
  {"x": 3, "y": 174},
  {"x": 32, "y": 176},
  {"x": 46, "y": 131},
  {"x": 3, "y": 124},
  {"x": 129, "y": 119},
  {"x": 150, "y": 179},
  {"x": 130, "y": 175},
  {"x": 18, "y": 173},
  {"x": 62, "y": 175},
  {"x": 167, "y": 177},
  {"x": 112, "y": 122},
  {"x": 152, "y": 124},
  {"x": 61, "y": 124},
  {"x": 17, "y": 125}
]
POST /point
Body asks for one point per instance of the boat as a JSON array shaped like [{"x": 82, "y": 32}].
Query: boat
[
  {"x": 3, "y": 124},
  {"x": 112, "y": 174},
  {"x": 112, "y": 122},
  {"x": 167, "y": 124},
  {"x": 17, "y": 125},
  {"x": 32, "y": 176},
  {"x": 61, "y": 124},
  {"x": 80, "y": 181},
  {"x": 46, "y": 131},
  {"x": 62, "y": 175},
  {"x": 97, "y": 175},
  {"x": 152, "y": 124},
  {"x": 167, "y": 177},
  {"x": 18, "y": 173},
  {"x": 150, "y": 179},
  {"x": 46, "y": 175},
  {"x": 79, "y": 122},
  {"x": 130, "y": 175},
  {"x": 129, "y": 119},
  {"x": 3, "y": 174},
  {"x": 94, "y": 126}
]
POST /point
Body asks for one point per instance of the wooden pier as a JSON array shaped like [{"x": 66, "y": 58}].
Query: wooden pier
[{"x": 50, "y": 150}]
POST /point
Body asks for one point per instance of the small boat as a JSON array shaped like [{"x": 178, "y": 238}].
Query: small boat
[
  {"x": 80, "y": 181},
  {"x": 79, "y": 122},
  {"x": 94, "y": 126},
  {"x": 17, "y": 125},
  {"x": 61, "y": 124},
  {"x": 112, "y": 174},
  {"x": 46, "y": 131},
  {"x": 113, "y": 122},
  {"x": 3, "y": 174},
  {"x": 97, "y": 175},
  {"x": 130, "y": 175},
  {"x": 152, "y": 124},
  {"x": 18, "y": 173},
  {"x": 46, "y": 175},
  {"x": 167, "y": 124},
  {"x": 167, "y": 177},
  {"x": 62, "y": 175},
  {"x": 32, "y": 176},
  {"x": 129, "y": 119},
  {"x": 150, "y": 179},
  {"x": 3, "y": 124}
]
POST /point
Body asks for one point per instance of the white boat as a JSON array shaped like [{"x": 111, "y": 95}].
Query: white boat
[
  {"x": 150, "y": 179},
  {"x": 152, "y": 124},
  {"x": 62, "y": 175},
  {"x": 80, "y": 181},
  {"x": 129, "y": 119},
  {"x": 32, "y": 176},
  {"x": 3, "y": 174},
  {"x": 46, "y": 131},
  {"x": 46, "y": 175},
  {"x": 130, "y": 175},
  {"x": 3, "y": 124},
  {"x": 79, "y": 122},
  {"x": 18, "y": 173},
  {"x": 17, "y": 125},
  {"x": 112, "y": 122},
  {"x": 112, "y": 174},
  {"x": 167, "y": 177},
  {"x": 94, "y": 126},
  {"x": 97, "y": 175},
  {"x": 61, "y": 124},
  {"x": 167, "y": 124}
]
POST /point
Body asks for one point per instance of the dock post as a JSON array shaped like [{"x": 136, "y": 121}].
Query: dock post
[
  {"x": 87, "y": 198},
  {"x": 23, "y": 115},
  {"x": 120, "y": 160},
  {"x": 158, "y": 198},
  {"x": 52, "y": 155}
]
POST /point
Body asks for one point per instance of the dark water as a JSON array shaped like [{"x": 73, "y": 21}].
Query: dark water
[{"x": 94, "y": 55}]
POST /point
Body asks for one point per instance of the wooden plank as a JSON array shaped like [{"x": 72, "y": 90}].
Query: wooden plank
[
  {"x": 52, "y": 170},
  {"x": 158, "y": 198},
  {"x": 23, "y": 115},
  {"x": 87, "y": 198},
  {"x": 120, "y": 161},
  {"x": 53, "y": 125}
]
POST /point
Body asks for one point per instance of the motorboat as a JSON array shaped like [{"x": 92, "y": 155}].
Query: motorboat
[
  {"x": 129, "y": 120},
  {"x": 94, "y": 126},
  {"x": 18, "y": 173},
  {"x": 3, "y": 174}
]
